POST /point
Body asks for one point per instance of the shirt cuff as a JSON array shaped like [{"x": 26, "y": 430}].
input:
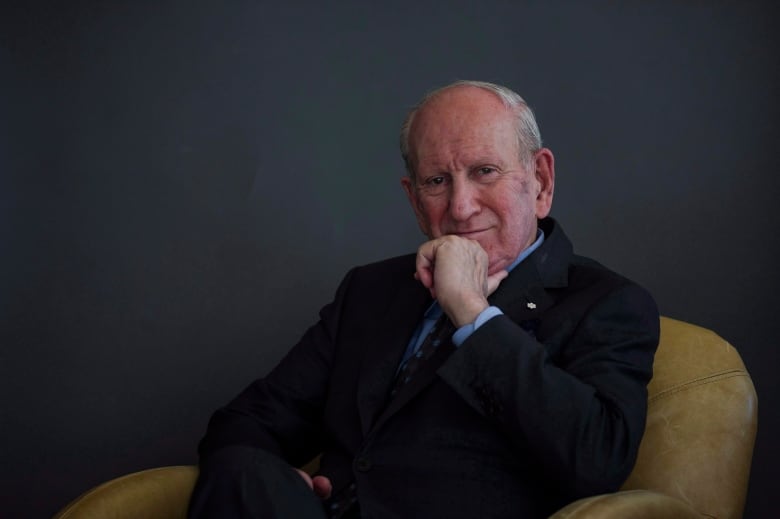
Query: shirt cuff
[{"x": 465, "y": 331}]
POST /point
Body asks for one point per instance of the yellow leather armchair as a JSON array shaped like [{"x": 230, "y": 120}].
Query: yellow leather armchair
[{"x": 694, "y": 460}]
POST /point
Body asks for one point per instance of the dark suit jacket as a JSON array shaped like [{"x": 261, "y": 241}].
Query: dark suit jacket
[{"x": 539, "y": 407}]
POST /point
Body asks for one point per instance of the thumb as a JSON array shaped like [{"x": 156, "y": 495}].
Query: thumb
[
  {"x": 495, "y": 280},
  {"x": 322, "y": 487}
]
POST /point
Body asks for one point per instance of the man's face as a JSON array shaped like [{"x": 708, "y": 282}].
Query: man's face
[{"x": 469, "y": 179}]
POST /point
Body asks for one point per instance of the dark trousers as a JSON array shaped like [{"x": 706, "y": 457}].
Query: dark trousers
[{"x": 243, "y": 482}]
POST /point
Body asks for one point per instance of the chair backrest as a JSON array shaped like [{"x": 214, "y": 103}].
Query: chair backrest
[{"x": 701, "y": 422}]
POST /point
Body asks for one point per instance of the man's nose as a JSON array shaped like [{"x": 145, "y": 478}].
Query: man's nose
[{"x": 464, "y": 199}]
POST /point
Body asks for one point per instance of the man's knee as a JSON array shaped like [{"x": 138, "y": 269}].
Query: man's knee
[
  {"x": 244, "y": 481},
  {"x": 240, "y": 458}
]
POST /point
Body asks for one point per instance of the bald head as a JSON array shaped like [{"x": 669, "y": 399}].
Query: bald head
[{"x": 528, "y": 137}]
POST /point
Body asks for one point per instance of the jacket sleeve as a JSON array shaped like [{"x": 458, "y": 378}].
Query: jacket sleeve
[
  {"x": 574, "y": 402},
  {"x": 282, "y": 412}
]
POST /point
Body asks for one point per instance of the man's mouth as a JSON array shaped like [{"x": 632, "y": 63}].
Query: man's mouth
[{"x": 469, "y": 233}]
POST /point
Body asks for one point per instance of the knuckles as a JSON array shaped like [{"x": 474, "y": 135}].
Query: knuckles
[{"x": 453, "y": 243}]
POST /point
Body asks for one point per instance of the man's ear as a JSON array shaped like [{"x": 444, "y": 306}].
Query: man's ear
[
  {"x": 544, "y": 162},
  {"x": 411, "y": 193}
]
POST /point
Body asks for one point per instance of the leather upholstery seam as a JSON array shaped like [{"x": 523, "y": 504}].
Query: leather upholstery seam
[{"x": 709, "y": 379}]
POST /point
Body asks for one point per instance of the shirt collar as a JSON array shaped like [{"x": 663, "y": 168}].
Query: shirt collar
[{"x": 527, "y": 252}]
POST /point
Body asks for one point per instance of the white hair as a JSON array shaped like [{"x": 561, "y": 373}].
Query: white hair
[{"x": 528, "y": 137}]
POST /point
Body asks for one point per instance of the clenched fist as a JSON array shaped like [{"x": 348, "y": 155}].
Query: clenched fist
[{"x": 455, "y": 270}]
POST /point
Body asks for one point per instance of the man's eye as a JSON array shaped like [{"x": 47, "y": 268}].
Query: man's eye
[
  {"x": 435, "y": 181},
  {"x": 484, "y": 174}
]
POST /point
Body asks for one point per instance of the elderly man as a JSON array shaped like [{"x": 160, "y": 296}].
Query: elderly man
[{"x": 492, "y": 374}]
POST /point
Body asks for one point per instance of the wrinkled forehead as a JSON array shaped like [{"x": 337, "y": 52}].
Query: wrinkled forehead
[{"x": 466, "y": 154}]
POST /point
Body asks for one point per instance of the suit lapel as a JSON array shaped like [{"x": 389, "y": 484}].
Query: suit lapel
[
  {"x": 422, "y": 378},
  {"x": 522, "y": 295},
  {"x": 383, "y": 353}
]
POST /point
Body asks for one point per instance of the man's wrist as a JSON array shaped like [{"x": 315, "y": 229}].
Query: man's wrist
[
  {"x": 467, "y": 311},
  {"x": 465, "y": 331}
]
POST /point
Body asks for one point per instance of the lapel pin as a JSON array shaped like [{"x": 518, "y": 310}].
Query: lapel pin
[{"x": 531, "y": 305}]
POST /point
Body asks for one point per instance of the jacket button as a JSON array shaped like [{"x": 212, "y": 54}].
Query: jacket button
[{"x": 362, "y": 464}]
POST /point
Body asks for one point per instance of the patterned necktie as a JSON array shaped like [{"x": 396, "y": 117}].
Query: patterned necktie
[{"x": 442, "y": 331}]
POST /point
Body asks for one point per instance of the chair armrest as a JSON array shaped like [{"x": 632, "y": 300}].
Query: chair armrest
[
  {"x": 160, "y": 493},
  {"x": 637, "y": 504}
]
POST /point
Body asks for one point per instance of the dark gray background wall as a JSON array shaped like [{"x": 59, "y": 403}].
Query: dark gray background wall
[{"x": 182, "y": 186}]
